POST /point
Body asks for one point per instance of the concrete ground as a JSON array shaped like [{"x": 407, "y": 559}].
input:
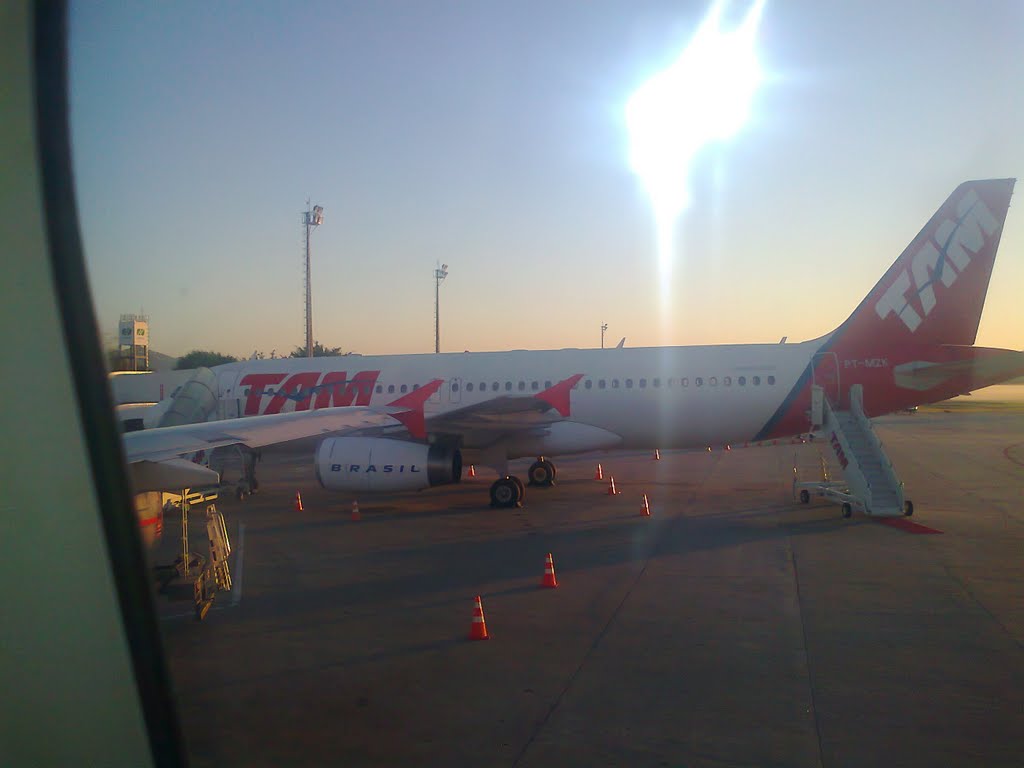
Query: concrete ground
[{"x": 732, "y": 627}]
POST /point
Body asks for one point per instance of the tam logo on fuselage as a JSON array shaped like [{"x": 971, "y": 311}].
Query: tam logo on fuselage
[
  {"x": 308, "y": 389},
  {"x": 943, "y": 257}
]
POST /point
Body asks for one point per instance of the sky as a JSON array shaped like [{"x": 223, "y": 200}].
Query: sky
[{"x": 492, "y": 137}]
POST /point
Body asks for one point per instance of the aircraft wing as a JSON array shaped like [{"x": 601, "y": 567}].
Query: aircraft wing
[
  {"x": 253, "y": 431},
  {"x": 153, "y": 454},
  {"x": 509, "y": 413}
]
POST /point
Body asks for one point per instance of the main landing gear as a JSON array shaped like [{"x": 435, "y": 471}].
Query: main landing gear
[
  {"x": 508, "y": 491},
  {"x": 542, "y": 473}
]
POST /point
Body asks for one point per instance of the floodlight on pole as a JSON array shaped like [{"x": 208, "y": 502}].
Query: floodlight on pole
[
  {"x": 604, "y": 327},
  {"x": 312, "y": 217},
  {"x": 439, "y": 274}
]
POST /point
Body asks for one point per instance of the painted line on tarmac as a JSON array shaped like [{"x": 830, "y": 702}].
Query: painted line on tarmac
[
  {"x": 236, "y": 589},
  {"x": 1011, "y": 451}
]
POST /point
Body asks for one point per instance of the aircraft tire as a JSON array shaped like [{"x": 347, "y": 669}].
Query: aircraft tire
[
  {"x": 805, "y": 496},
  {"x": 847, "y": 509},
  {"x": 542, "y": 474},
  {"x": 506, "y": 493},
  {"x": 908, "y": 508}
]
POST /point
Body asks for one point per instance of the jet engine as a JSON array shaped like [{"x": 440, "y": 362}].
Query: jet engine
[{"x": 368, "y": 464}]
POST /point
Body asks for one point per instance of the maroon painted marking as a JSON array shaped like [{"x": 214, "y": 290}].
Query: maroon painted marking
[{"x": 908, "y": 526}]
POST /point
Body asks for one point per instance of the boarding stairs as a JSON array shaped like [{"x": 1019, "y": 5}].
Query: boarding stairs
[{"x": 870, "y": 483}]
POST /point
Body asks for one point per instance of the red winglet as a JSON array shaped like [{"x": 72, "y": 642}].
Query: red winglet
[
  {"x": 413, "y": 418},
  {"x": 558, "y": 396}
]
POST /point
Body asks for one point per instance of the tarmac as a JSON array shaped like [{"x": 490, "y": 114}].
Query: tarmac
[{"x": 732, "y": 627}]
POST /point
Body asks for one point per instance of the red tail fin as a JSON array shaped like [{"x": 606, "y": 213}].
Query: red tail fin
[{"x": 935, "y": 291}]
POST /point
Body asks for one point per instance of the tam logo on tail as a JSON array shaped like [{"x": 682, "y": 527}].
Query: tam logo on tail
[{"x": 943, "y": 257}]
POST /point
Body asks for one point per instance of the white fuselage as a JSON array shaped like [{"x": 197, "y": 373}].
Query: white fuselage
[{"x": 667, "y": 397}]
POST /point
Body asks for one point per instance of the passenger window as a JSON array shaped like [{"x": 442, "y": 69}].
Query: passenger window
[
  {"x": 727, "y": 381},
  {"x": 629, "y": 383},
  {"x": 700, "y": 381},
  {"x": 642, "y": 383},
  {"x": 415, "y": 386},
  {"x": 657, "y": 382},
  {"x": 455, "y": 386},
  {"x": 508, "y": 386},
  {"x": 771, "y": 379},
  {"x": 742, "y": 381},
  {"x": 713, "y": 381},
  {"x": 534, "y": 386},
  {"x": 547, "y": 384},
  {"x": 615, "y": 383},
  {"x": 685, "y": 381},
  {"x": 755, "y": 380},
  {"x": 405, "y": 388},
  {"x": 380, "y": 389},
  {"x": 391, "y": 389},
  {"x": 494, "y": 387},
  {"x": 469, "y": 387},
  {"x": 588, "y": 384},
  {"x": 600, "y": 384},
  {"x": 522, "y": 386}
]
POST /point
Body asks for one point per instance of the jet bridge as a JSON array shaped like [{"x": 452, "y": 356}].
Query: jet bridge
[{"x": 869, "y": 482}]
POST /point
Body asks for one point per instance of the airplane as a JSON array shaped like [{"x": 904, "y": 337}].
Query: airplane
[{"x": 909, "y": 342}]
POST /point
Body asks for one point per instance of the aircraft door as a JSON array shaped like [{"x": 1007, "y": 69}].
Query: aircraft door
[
  {"x": 825, "y": 374},
  {"x": 455, "y": 390}
]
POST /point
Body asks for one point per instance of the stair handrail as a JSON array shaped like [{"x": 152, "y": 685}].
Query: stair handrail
[
  {"x": 857, "y": 409},
  {"x": 864, "y": 491}
]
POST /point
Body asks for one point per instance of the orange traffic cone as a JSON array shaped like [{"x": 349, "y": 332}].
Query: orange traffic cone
[
  {"x": 645, "y": 508},
  {"x": 599, "y": 474},
  {"x": 478, "y": 629},
  {"x": 549, "y": 573},
  {"x": 356, "y": 515},
  {"x": 657, "y": 455},
  {"x": 611, "y": 486},
  {"x": 472, "y": 470},
  {"x": 298, "y": 502}
]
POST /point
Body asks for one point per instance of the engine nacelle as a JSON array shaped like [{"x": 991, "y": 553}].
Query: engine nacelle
[{"x": 368, "y": 464}]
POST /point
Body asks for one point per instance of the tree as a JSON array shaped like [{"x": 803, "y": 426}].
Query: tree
[
  {"x": 319, "y": 350},
  {"x": 199, "y": 358}
]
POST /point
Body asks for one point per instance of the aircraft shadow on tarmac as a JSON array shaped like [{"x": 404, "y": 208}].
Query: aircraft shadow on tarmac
[{"x": 486, "y": 565}]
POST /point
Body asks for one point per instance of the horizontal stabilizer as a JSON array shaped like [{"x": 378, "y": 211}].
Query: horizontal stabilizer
[{"x": 979, "y": 371}]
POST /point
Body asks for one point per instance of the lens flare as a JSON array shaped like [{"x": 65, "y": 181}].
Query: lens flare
[{"x": 703, "y": 97}]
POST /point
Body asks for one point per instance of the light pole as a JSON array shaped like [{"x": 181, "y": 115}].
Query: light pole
[
  {"x": 312, "y": 218},
  {"x": 604, "y": 327},
  {"x": 439, "y": 274}
]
